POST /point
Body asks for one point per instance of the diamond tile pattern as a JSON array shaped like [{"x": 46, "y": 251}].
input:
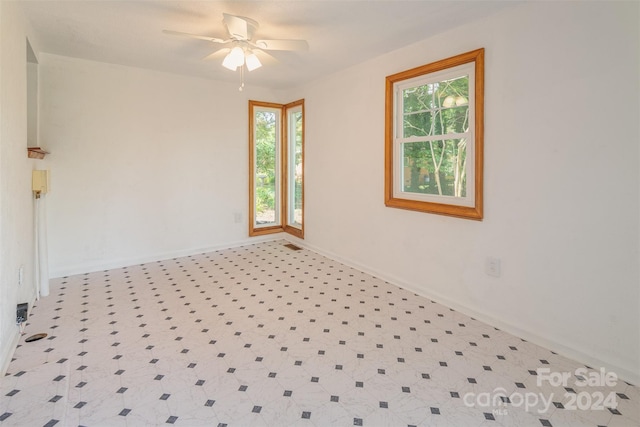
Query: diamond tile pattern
[{"x": 263, "y": 335}]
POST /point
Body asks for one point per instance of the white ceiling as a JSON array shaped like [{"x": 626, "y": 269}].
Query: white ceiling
[{"x": 340, "y": 33}]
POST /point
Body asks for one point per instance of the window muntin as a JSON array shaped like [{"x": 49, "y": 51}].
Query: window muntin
[{"x": 434, "y": 137}]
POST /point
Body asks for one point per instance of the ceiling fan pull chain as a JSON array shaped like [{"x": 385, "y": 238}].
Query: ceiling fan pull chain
[{"x": 241, "y": 78}]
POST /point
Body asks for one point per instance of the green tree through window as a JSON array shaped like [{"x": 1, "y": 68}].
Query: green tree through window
[
  {"x": 436, "y": 166},
  {"x": 266, "y": 152}
]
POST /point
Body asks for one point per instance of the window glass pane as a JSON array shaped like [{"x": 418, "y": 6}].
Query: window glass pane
[
  {"x": 295, "y": 168},
  {"x": 436, "y": 108},
  {"x": 435, "y": 167},
  {"x": 266, "y": 166}
]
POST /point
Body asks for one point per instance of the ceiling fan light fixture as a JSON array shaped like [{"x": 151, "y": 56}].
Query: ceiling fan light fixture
[
  {"x": 240, "y": 40},
  {"x": 252, "y": 61},
  {"x": 234, "y": 59},
  {"x": 228, "y": 63}
]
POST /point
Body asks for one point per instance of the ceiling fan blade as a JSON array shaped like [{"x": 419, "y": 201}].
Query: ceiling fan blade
[
  {"x": 282, "y": 44},
  {"x": 194, "y": 36},
  {"x": 240, "y": 27},
  {"x": 217, "y": 54},
  {"x": 265, "y": 57}
]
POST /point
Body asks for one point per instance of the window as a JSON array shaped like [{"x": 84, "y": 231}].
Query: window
[
  {"x": 294, "y": 139},
  {"x": 265, "y": 122},
  {"x": 276, "y": 169},
  {"x": 434, "y": 137}
]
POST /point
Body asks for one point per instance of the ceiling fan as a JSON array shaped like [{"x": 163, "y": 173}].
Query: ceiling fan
[{"x": 242, "y": 49}]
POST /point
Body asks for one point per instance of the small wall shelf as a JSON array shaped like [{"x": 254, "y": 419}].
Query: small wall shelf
[{"x": 36, "y": 153}]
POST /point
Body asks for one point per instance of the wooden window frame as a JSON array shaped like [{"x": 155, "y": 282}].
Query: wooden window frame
[
  {"x": 392, "y": 198},
  {"x": 276, "y": 228},
  {"x": 286, "y": 155},
  {"x": 283, "y": 175}
]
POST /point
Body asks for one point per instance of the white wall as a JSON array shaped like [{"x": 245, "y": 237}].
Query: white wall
[
  {"x": 144, "y": 165},
  {"x": 561, "y": 180},
  {"x": 16, "y": 201}
]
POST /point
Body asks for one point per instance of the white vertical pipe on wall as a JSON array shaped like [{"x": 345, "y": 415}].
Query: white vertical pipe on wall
[
  {"x": 42, "y": 258},
  {"x": 36, "y": 239}
]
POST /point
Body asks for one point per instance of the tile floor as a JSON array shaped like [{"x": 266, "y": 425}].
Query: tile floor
[{"x": 263, "y": 335}]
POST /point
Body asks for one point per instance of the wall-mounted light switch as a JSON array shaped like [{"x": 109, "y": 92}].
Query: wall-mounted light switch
[{"x": 492, "y": 266}]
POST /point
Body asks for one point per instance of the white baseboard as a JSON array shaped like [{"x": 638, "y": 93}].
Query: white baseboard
[
  {"x": 90, "y": 267},
  {"x": 624, "y": 373},
  {"x": 8, "y": 350}
]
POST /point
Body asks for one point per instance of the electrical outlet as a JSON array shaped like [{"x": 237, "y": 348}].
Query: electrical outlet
[
  {"x": 21, "y": 275},
  {"x": 492, "y": 266},
  {"x": 21, "y": 312}
]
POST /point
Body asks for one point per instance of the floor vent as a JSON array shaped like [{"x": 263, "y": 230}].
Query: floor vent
[
  {"x": 36, "y": 337},
  {"x": 293, "y": 247}
]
